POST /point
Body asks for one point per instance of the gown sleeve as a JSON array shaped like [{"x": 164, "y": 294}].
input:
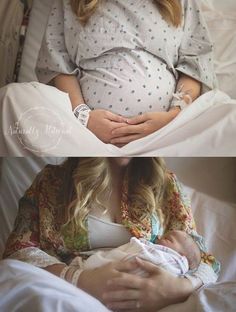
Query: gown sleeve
[
  {"x": 54, "y": 58},
  {"x": 179, "y": 217},
  {"x": 24, "y": 241},
  {"x": 196, "y": 48}
]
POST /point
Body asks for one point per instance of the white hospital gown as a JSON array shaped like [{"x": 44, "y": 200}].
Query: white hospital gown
[{"x": 127, "y": 57}]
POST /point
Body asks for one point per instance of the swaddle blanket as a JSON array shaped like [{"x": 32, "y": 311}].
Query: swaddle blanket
[{"x": 162, "y": 256}]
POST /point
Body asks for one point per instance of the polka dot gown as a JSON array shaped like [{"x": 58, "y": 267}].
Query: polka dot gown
[{"x": 127, "y": 57}]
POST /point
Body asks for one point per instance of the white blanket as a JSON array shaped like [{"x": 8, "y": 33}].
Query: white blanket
[
  {"x": 37, "y": 120},
  {"x": 24, "y": 287},
  {"x": 159, "y": 255}
]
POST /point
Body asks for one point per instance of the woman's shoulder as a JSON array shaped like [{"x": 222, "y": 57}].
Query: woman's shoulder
[{"x": 49, "y": 178}]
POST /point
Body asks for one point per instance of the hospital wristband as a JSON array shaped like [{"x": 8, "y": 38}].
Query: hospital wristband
[
  {"x": 76, "y": 276},
  {"x": 63, "y": 272},
  {"x": 180, "y": 104},
  {"x": 179, "y": 99},
  {"x": 81, "y": 112},
  {"x": 71, "y": 274}
]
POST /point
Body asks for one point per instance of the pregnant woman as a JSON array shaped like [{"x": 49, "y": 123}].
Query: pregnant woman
[{"x": 122, "y": 62}]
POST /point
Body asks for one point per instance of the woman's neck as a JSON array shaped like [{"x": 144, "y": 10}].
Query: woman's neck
[{"x": 117, "y": 174}]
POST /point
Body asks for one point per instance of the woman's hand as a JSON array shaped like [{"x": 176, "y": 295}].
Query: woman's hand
[
  {"x": 141, "y": 126},
  {"x": 149, "y": 294},
  {"x": 94, "y": 281},
  {"x": 102, "y": 123}
]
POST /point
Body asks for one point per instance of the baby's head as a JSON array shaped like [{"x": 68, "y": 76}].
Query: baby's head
[{"x": 184, "y": 244}]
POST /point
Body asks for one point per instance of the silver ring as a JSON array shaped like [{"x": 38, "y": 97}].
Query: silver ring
[{"x": 138, "y": 305}]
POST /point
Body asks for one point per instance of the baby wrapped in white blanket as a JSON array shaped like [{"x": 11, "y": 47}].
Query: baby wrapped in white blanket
[{"x": 176, "y": 252}]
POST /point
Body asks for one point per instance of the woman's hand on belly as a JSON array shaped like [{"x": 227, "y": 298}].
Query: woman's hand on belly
[
  {"x": 141, "y": 126},
  {"x": 102, "y": 123}
]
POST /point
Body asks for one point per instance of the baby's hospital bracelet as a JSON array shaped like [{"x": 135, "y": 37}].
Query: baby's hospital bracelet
[{"x": 81, "y": 112}]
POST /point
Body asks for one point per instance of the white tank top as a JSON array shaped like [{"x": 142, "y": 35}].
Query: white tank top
[{"x": 105, "y": 234}]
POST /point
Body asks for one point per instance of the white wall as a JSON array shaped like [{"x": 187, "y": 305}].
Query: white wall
[{"x": 214, "y": 176}]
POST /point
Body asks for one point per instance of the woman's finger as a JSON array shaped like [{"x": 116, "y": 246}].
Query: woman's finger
[
  {"x": 148, "y": 266},
  {"x": 121, "y": 295},
  {"x": 126, "y": 139},
  {"x": 138, "y": 119},
  {"x": 125, "y": 266},
  {"x": 117, "y": 125},
  {"x": 116, "y": 118},
  {"x": 128, "y": 306},
  {"x": 126, "y": 281},
  {"x": 124, "y": 131}
]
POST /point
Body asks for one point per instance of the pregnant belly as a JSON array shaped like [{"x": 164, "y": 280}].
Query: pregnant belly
[{"x": 127, "y": 83}]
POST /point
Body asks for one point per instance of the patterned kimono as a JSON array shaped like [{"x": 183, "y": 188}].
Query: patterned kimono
[{"x": 38, "y": 237}]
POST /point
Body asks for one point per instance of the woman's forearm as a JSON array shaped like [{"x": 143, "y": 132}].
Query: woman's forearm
[
  {"x": 70, "y": 85},
  {"x": 182, "y": 292},
  {"x": 189, "y": 86},
  {"x": 55, "y": 269}
]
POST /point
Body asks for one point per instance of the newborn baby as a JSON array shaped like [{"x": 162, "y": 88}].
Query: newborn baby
[{"x": 176, "y": 251}]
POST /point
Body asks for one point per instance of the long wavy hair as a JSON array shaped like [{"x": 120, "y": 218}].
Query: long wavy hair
[
  {"x": 171, "y": 10},
  {"x": 89, "y": 179}
]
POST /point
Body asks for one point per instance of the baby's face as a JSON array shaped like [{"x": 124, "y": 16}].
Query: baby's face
[{"x": 174, "y": 240}]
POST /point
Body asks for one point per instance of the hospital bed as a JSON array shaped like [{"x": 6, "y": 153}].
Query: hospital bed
[{"x": 210, "y": 183}]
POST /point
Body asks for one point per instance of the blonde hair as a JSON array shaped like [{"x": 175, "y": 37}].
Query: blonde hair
[
  {"x": 89, "y": 179},
  {"x": 171, "y": 10}
]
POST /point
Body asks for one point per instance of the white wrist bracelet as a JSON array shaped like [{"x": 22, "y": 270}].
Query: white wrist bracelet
[
  {"x": 81, "y": 112},
  {"x": 76, "y": 276},
  {"x": 73, "y": 273},
  {"x": 181, "y": 104},
  {"x": 63, "y": 272},
  {"x": 178, "y": 99}
]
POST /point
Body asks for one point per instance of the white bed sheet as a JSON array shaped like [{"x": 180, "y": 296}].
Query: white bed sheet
[
  {"x": 221, "y": 18},
  {"x": 32, "y": 126}
]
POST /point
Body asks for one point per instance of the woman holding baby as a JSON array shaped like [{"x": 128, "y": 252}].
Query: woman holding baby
[{"x": 87, "y": 204}]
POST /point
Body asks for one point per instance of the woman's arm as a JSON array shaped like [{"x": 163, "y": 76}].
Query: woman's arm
[
  {"x": 70, "y": 85},
  {"x": 101, "y": 122},
  {"x": 189, "y": 87},
  {"x": 25, "y": 240}
]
